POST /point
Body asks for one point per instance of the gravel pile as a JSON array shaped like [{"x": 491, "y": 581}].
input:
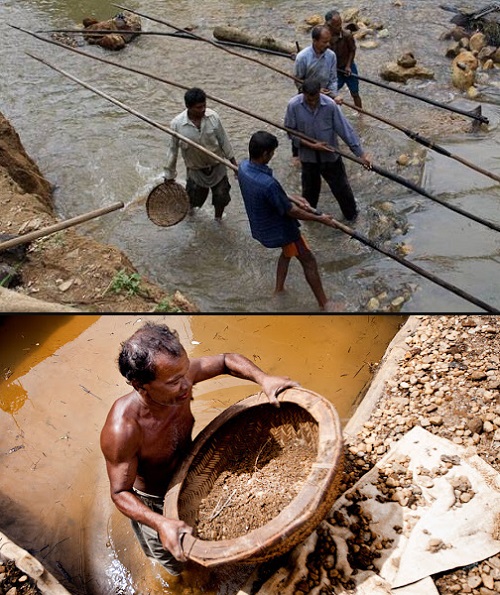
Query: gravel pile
[{"x": 447, "y": 382}]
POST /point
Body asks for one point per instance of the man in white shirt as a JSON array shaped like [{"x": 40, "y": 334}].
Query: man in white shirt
[
  {"x": 204, "y": 173},
  {"x": 318, "y": 61}
]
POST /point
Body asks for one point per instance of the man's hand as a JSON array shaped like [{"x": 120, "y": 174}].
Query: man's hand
[
  {"x": 367, "y": 160},
  {"x": 170, "y": 531},
  {"x": 301, "y": 202},
  {"x": 320, "y": 146},
  {"x": 273, "y": 385},
  {"x": 326, "y": 218}
]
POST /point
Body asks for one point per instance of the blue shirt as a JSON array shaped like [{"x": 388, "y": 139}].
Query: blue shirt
[
  {"x": 267, "y": 206},
  {"x": 323, "y": 123},
  {"x": 323, "y": 67}
]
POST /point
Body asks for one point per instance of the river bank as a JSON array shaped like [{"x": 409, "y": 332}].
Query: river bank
[{"x": 66, "y": 268}]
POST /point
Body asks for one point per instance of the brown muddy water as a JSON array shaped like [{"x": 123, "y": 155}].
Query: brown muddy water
[{"x": 58, "y": 381}]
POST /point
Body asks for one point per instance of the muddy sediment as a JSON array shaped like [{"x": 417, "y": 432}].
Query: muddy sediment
[
  {"x": 64, "y": 268},
  {"x": 252, "y": 492}
]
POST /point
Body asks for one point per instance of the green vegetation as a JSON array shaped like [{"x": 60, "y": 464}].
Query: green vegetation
[
  {"x": 165, "y": 305},
  {"x": 124, "y": 282}
]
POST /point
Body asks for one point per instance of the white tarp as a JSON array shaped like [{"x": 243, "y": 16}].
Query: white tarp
[
  {"x": 439, "y": 532},
  {"x": 434, "y": 506}
]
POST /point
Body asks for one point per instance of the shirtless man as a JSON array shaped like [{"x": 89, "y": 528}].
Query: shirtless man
[
  {"x": 343, "y": 45},
  {"x": 147, "y": 432}
]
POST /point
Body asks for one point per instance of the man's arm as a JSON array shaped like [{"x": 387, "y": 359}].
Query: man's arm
[
  {"x": 302, "y": 213},
  {"x": 120, "y": 444},
  {"x": 223, "y": 139},
  {"x": 172, "y": 153},
  {"x": 351, "y": 44},
  {"x": 299, "y": 70},
  {"x": 347, "y": 133},
  {"x": 239, "y": 366},
  {"x": 333, "y": 79}
]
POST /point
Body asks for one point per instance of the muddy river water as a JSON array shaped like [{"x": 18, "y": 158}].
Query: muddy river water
[
  {"x": 96, "y": 154},
  {"x": 58, "y": 381}
]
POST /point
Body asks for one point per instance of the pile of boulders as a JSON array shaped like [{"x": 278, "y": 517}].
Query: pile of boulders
[
  {"x": 125, "y": 24},
  {"x": 471, "y": 54}
]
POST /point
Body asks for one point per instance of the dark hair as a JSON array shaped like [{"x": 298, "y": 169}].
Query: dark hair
[
  {"x": 311, "y": 86},
  {"x": 194, "y": 96},
  {"x": 136, "y": 361},
  {"x": 331, "y": 14},
  {"x": 260, "y": 142},
  {"x": 318, "y": 30}
]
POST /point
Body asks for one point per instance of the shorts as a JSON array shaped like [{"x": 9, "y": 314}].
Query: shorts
[
  {"x": 352, "y": 82},
  {"x": 149, "y": 540},
  {"x": 298, "y": 248},
  {"x": 198, "y": 194}
]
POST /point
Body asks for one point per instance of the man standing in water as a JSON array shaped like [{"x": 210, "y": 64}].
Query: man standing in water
[
  {"x": 204, "y": 173},
  {"x": 147, "y": 432},
  {"x": 318, "y": 61},
  {"x": 320, "y": 118},
  {"x": 344, "y": 46},
  {"x": 274, "y": 217}
]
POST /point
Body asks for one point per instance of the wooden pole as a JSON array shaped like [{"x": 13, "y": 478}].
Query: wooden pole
[
  {"x": 40, "y": 233},
  {"x": 425, "y": 142},
  {"x": 333, "y": 223},
  {"x": 213, "y": 43},
  {"x": 182, "y": 34},
  {"x": 478, "y": 117},
  {"x": 381, "y": 171}
]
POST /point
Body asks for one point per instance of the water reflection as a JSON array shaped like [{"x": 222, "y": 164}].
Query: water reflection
[{"x": 54, "y": 497}]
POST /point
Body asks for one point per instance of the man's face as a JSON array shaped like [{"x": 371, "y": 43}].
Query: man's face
[
  {"x": 197, "y": 110},
  {"x": 312, "y": 99},
  {"x": 171, "y": 386},
  {"x": 335, "y": 25},
  {"x": 321, "y": 44}
]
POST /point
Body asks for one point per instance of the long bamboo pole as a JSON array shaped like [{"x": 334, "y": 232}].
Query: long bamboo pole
[
  {"x": 333, "y": 223},
  {"x": 480, "y": 118},
  {"x": 209, "y": 41},
  {"x": 178, "y": 34},
  {"x": 425, "y": 142},
  {"x": 46, "y": 231},
  {"x": 411, "y": 134},
  {"x": 381, "y": 171}
]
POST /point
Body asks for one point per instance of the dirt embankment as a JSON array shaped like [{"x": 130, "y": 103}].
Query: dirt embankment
[{"x": 65, "y": 268}]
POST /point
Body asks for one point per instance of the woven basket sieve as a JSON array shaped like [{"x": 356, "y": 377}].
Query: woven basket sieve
[
  {"x": 242, "y": 430},
  {"x": 167, "y": 204}
]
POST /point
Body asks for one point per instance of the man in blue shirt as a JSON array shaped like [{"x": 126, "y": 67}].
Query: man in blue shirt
[
  {"x": 320, "y": 118},
  {"x": 274, "y": 217},
  {"x": 320, "y": 62}
]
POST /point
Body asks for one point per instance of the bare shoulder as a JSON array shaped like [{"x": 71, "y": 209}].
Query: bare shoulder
[{"x": 121, "y": 427}]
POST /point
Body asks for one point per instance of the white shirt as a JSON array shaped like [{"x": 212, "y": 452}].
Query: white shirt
[{"x": 210, "y": 135}]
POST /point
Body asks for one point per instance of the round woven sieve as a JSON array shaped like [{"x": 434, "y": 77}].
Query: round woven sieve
[{"x": 167, "y": 204}]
